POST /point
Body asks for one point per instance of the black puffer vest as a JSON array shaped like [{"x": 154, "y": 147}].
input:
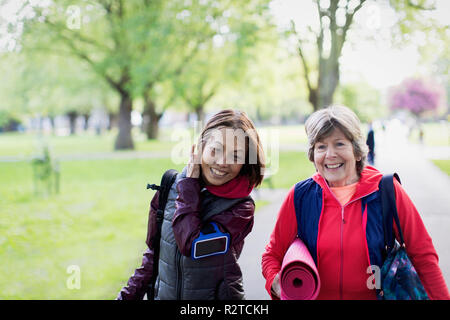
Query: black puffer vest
[{"x": 183, "y": 278}]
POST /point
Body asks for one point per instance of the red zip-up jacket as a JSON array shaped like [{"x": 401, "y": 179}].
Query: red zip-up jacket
[{"x": 343, "y": 256}]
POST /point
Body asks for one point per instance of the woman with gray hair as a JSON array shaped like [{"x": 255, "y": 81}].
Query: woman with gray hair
[{"x": 337, "y": 214}]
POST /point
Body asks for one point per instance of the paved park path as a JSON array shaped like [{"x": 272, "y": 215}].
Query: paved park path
[
  {"x": 427, "y": 186},
  {"x": 250, "y": 260}
]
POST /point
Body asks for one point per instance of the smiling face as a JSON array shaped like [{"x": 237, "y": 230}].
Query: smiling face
[
  {"x": 221, "y": 161},
  {"x": 335, "y": 160}
]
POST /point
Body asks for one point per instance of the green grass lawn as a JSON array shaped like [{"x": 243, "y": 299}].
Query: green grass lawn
[
  {"x": 292, "y": 167},
  {"x": 97, "y": 222},
  {"x": 26, "y": 145},
  {"x": 444, "y": 165}
]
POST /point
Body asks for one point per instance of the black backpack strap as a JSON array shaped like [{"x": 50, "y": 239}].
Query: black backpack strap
[
  {"x": 213, "y": 205},
  {"x": 389, "y": 209},
  {"x": 167, "y": 181}
]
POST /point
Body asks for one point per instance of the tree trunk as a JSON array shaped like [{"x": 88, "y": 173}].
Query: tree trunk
[
  {"x": 72, "y": 121},
  {"x": 321, "y": 95},
  {"x": 52, "y": 123},
  {"x": 200, "y": 113},
  {"x": 327, "y": 82},
  {"x": 153, "y": 128},
  {"x": 86, "y": 117},
  {"x": 150, "y": 118},
  {"x": 313, "y": 98},
  {"x": 112, "y": 120},
  {"x": 327, "y": 87},
  {"x": 124, "y": 139},
  {"x": 40, "y": 125}
]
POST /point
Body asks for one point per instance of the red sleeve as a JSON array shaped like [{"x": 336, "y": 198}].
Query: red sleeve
[
  {"x": 419, "y": 246},
  {"x": 281, "y": 238}
]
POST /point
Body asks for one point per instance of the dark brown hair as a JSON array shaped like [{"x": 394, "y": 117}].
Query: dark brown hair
[{"x": 235, "y": 119}]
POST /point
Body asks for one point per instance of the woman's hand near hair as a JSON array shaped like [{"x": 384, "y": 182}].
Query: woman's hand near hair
[{"x": 193, "y": 167}]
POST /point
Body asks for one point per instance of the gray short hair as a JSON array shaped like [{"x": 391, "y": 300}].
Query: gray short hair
[{"x": 322, "y": 123}]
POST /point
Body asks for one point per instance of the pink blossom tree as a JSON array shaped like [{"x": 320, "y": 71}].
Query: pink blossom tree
[{"x": 417, "y": 95}]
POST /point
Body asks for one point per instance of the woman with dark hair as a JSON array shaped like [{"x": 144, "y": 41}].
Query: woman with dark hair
[
  {"x": 211, "y": 192},
  {"x": 337, "y": 214}
]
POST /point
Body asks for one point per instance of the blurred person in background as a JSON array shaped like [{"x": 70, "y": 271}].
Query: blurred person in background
[{"x": 370, "y": 141}]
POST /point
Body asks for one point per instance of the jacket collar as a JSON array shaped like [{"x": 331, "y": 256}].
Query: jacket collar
[{"x": 367, "y": 184}]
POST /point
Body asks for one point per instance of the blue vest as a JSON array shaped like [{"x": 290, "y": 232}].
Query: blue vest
[{"x": 308, "y": 207}]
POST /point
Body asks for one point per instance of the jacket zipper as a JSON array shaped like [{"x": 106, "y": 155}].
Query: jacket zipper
[
  {"x": 179, "y": 274},
  {"x": 341, "y": 279},
  {"x": 341, "y": 275}
]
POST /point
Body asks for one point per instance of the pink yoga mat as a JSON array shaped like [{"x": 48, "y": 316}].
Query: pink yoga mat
[{"x": 299, "y": 276}]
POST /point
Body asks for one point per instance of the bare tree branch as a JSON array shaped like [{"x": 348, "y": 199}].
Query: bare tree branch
[
  {"x": 302, "y": 57},
  {"x": 95, "y": 67},
  {"x": 73, "y": 34},
  {"x": 348, "y": 22}
]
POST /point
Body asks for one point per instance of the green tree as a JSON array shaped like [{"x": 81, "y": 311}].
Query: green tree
[
  {"x": 38, "y": 84},
  {"x": 94, "y": 32},
  {"x": 364, "y": 100},
  {"x": 166, "y": 37},
  {"x": 201, "y": 45},
  {"x": 224, "y": 59},
  {"x": 200, "y": 80},
  {"x": 435, "y": 54},
  {"x": 134, "y": 46},
  {"x": 321, "y": 67},
  {"x": 272, "y": 86}
]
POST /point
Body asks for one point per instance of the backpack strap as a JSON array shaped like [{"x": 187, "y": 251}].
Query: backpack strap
[
  {"x": 389, "y": 209},
  {"x": 167, "y": 181},
  {"x": 213, "y": 205}
]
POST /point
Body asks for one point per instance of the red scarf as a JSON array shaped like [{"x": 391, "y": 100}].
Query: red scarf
[{"x": 238, "y": 187}]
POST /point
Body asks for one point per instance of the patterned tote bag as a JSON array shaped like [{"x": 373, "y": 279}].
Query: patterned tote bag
[{"x": 399, "y": 279}]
